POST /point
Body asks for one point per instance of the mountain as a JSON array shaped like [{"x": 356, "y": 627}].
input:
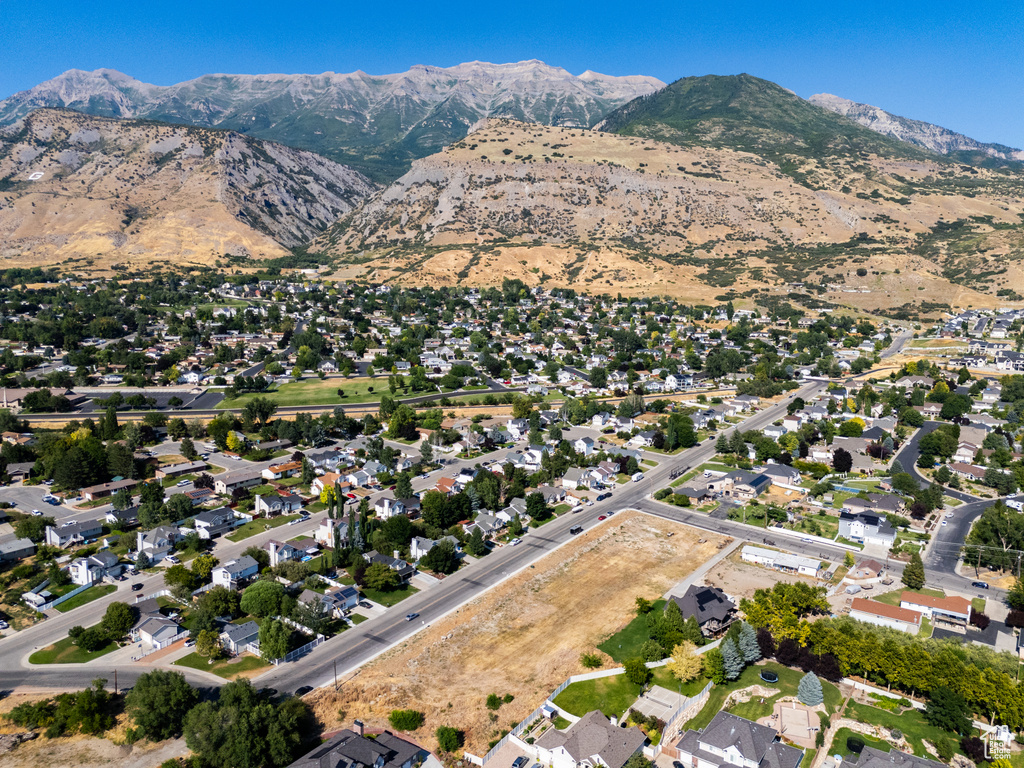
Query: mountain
[
  {"x": 917, "y": 132},
  {"x": 748, "y": 114},
  {"x": 605, "y": 212},
  {"x": 377, "y": 124},
  {"x": 76, "y": 187}
]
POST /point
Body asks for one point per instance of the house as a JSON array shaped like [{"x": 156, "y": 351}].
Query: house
[
  {"x": 280, "y": 471},
  {"x": 645, "y": 439},
  {"x": 20, "y": 471},
  {"x": 781, "y": 474},
  {"x": 15, "y": 549},
  {"x": 402, "y": 568},
  {"x": 234, "y": 572},
  {"x": 327, "y": 480},
  {"x": 157, "y": 631},
  {"x": 780, "y": 561},
  {"x": 211, "y": 523},
  {"x": 225, "y": 484},
  {"x": 281, "y": 552},
  {"x": 882, "y": 615},
  {"x": 107, "y": 489},
  {"x": 177, "y": 470},
  {"x": 590, "y": 742},
  {"x": 360, "y": 478},
  {"x": 420, "y": 546},
  {"x": 488, "y": 524},
  {"x": 730, "y": 740},
  {"x": 866, "y": 569},
  {"x": 87, "y": 570},
  {"x": 876, "y": 758},
  {"x": 75, "y": 533},
  {"x": 123, "y": 518},
  {"x": 236, "y": 637},
  {"x": 337, "y": 601},
  {"x": 349, "y": 749},
  {"x": 740, "y": 484},
  {"x": 711, "y": 607},
  {"x": 867, "y": 527},
  {"x": 157, "y": 543},
  {"x": 324, "y": 533},
  {"x": 326, "y": 460},
  {"x": 584, "y": 445},
  {"x": 199, "y": 495},
  {"x": 386, "y": 507},
  {"x": 948, "y": 610},
  {"x": 273, "y": 504}
]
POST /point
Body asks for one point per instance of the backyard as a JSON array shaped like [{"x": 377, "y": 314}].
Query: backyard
[
  {"x": 86, "y": 596},
  {"x": 625, "y": 644},
  {"x": 259, "y": 525},
  {"x": 615, "y": 695},
  {"x": 66, "y": 652}
]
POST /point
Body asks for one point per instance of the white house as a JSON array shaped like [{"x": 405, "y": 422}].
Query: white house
[{"x": 235, "y": 571}]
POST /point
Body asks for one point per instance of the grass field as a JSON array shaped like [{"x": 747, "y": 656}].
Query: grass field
[
  {"x": 789, "y": 679},
  {"x": 223, "y": 668},
  {"x": 313, "y": 391},
  {"x": 614, "y": 695},
  {"x": 524, "y": 636},
  {"x": 388, "y": 599},
  {"x": 625, "y": 644},
  {"x": 839, "y": 742},
  {"x": 259, "y": 525},
  {"x": 92, "y": 593},
  {"x": 66, "y": 652}
]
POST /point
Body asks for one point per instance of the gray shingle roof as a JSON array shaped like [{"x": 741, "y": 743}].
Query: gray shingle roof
[{"x": 595, "y": 735}]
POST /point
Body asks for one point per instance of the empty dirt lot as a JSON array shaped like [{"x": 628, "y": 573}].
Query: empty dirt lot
[{"x": 524, "y": 637}]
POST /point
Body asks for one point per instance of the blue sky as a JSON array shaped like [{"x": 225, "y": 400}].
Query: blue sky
[{"x": 960, "y": 65}]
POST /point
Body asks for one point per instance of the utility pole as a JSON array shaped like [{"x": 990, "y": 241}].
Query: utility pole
[
  {"x": 335, "y": 674},
  {"x": 115, "y": 682}
]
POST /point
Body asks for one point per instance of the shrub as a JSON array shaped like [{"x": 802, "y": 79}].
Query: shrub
[
  {"x": 405, "y": 719},
  {"x": 973, "y": 747},
  {"x": 944, "y": 749},
  {"x": 493, "y": 701},
  {"x": 591, "y": 660},
  {"x": 448, "y": 739},
  {"x": 980, "y": 620}
]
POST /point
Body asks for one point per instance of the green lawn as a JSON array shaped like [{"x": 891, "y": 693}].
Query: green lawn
[
  {"x": 789, "y": 679},
  {"x": 92, "y": 593},
  {"x": 358, "y": 618},
  {"x": 911, "y": 723},
  {"x": 614, "y": 695},
  {"x": 893, "y": 598},
  {"x": 313, "y": 391},
  {"x": 625, "y": 644},
  {"x": 66, "y": 652},
  {"x": 259, "y": 525},
  {"x": 389, "y": 598},
  {"x": 222, "y": 668}
]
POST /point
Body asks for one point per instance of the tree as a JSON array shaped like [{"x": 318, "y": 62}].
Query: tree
[
  {"x": 403, "y": 486},
  {"x": 913, "y": 573},
  {"x": 809, "y": 690},
  {"x": 713, "y": 666},
  {"x": 122, "y": 499},
  {"x": 731, "y": 659},
  {"x": 1015, "y": 595},
  {"x": 381, "y": 578},
  {"x": 159, "y": 702},
  {"x": 180, "y": 576},
  {"x": 405, "y": 719},
  {"x": 203, "y": 565},
  {"x": 448, "y": 739},
  {"x": 274, "y": 639},
  {"x": 747, "y": 643},
  {"x": 260, "y": 555},
  {"x": 686, "y": 662},
  {"x": 263, "y": 598},
  {"x": 848, "y": 560},
  {"x": 948, "y": 710},
  {"x": 537, "y": 507},
  {"x": 476, "y": 545},
  {"x": 118, "y": 619},
  {"x": 636, "y": 671},
  {"x": 312, "y": 614},
  {"x": 208, "y": 644},
  {"x": 842, "y": 460},
  {"x": 188, "y": 449},
  {"x": 442, "y": 558}
]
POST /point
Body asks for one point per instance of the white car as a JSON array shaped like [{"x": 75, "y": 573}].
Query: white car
[
  {"x": 172, "y": 560},
  {"x": 184, "y": 482},
  {"x": 516, "y": 541}
]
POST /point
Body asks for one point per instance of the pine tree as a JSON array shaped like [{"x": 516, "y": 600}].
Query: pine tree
[
  {"x": 731, "y": 659},
  {"x": 748, "y": 646},
  {"x": 722, "y": 443},
  {"x": 737, "y": 444},
  {"x": 913, "y": 574},
  {"x": 809, "y": 690}
]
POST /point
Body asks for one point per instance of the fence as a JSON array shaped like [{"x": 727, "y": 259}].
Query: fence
[
  {"x": 62, "y": 598},
  {"x": 683, "y": 713},
  {"x": 160, "y": 646},
  {"x": 299, "y": 652}
]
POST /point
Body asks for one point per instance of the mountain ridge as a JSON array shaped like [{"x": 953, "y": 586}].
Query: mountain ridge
[
  {"x": 918, "y": 132},
  {"x": 75, "y": 186},
  {"x": 375, "y": 123}
]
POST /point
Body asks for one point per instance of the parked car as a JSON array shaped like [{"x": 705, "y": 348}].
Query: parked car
[
  {"x": 36, "y": 513},
  {"x": 173, "y": 560},
  {"x": 520, "y": 762},
  {"x": 303, "y": 690},
  {"x": 979, "y": 584},
  {"x": 364, "y": 604}
]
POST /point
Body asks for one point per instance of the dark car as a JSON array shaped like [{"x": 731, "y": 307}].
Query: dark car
[
  {"x": 979, "y": 584},
  {"x": 519, "y": 762},
  {"x": 136, "y": 587},
  {"x": 303, "y": 690},
  {"x": 769, "y": 677}
]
